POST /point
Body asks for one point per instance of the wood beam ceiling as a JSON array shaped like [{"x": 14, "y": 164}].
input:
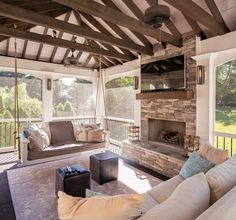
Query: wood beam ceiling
[
  {"x": 139, "y": 14},
  {"x": 99, "y": 27},
  {"x": 46, "y": 21},
  {"x": 10, "y": 32},
  {"x": 60, "y": 34},
  {"x": 191, "y": 9},
  {"x": 118, "y": 30},
  {"x": 216, "y": 13},
  {"x": 116, "y": 17}
]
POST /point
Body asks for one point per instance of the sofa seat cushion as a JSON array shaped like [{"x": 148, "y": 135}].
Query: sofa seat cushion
[
  {"x": 163, "y": 190},
  {"x": 62, "y": 132},
  {"x": 74, "y": 147},
  {"x": 187, "y": 202},
  {"x": 222, "y": 178},
  {"x": 224, "y": 208}
]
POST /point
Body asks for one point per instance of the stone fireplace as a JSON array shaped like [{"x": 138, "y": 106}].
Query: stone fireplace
[
  {"x": 166, "y": 132},
  {"x": 167, "y": 119}
]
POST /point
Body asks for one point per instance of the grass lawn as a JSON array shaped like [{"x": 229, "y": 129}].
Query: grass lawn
[{"x": 226, "y": 122}]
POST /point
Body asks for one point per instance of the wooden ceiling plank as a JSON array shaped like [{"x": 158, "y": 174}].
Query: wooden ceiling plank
[
  {"x": 140, "y": 36},
  {"x": 60, "y": 42},
  {"x": 102, "y": 29},
  {"x": 66, "y": 19},
  {"x": 98, "y": 26},
  {"x": 85, "y": 64},
  {"x": 216, "y": 13},
  {"x": 139, "y": 14},
  {"x": 116, "y": 17},
  {"x": 194, "y": 11},
  {"x": 41, "y": 45},
  {"x": 47, "y": 21},
  {"x": 24, "y": 26}
]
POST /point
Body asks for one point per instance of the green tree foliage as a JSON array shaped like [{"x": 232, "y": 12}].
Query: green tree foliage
[
  {"x": 226, "y": 84},
  {"x": 120, "y": 82},
  {"x": 60, "y": 107},
  {"x": 28, "y": 107},
  {"x": 68, "y": 107}
]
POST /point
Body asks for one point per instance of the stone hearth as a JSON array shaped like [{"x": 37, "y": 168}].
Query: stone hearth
[{"x": 164, "y": 160}]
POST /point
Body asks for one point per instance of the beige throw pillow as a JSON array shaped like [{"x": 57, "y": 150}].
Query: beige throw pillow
[
  {"x": 187, "y": 202},
  {"x": 213, "y": 154},
  {"x": 122, "y": 207},
  {"x": 82, "y": 135},
  {"x": 222, "y": 178},
  {"x": 36, "y": 142},
  {"x": 96, "y": 135}
]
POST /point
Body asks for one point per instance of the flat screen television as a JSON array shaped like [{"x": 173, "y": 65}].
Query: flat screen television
[{"x": 168, "y": 74}]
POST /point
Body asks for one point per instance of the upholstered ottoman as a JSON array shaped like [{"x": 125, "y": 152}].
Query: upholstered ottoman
[
  {"x": 104, "y": 167},
  {"x": 73, "y": 183}
]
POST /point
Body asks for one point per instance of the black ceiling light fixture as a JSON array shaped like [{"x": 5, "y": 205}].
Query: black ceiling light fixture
[{"x": 156, "y": 15}]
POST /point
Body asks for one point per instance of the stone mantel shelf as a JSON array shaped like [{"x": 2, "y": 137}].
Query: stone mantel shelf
[{"x": 178, "y": 94}]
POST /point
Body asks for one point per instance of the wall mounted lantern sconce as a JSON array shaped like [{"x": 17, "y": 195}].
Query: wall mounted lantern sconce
[
  {"x": 49, "y": 84},
  {"x": 200, "y": 75}
]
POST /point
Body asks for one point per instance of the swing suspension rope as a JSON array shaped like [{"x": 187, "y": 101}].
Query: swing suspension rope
[
  {"x": 101, "y": 78},
  {"x": 16, "y": 106}
]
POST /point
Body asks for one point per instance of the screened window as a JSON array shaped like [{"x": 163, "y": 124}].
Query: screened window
[
  {"x": 72, "y": 97},
  {"x": 226, "y": 98},
  {"x": 120, "y": 97},
  {"x": 30, "y": 95}
]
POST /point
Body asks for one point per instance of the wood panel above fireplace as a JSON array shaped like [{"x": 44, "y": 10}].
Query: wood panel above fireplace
[{"x": 178, "y": 94}]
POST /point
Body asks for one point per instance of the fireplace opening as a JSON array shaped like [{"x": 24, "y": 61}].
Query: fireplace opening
[{"x": 166, "y": 132}]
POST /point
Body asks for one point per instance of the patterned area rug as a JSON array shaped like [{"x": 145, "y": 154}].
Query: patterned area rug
[{"x": 33, "y": 188}]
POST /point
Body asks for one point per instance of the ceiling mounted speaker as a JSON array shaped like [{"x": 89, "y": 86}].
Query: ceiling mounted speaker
[{"x": 156, "y": 15}]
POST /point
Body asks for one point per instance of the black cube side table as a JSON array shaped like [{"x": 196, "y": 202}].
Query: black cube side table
[
  {"x": 104, "y": 167},
  {"x": 73, "y": 183}
]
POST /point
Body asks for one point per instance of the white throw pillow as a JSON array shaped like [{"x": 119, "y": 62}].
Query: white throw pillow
[
  {"x": 222, "y": 178},
  {"x": 122, "y": 207},
  {"x": 187, "y": 202}
]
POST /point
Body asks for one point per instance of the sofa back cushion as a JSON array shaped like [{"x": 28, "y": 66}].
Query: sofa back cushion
[
  {"x": 162, "y": 191},
  {"x": 222, "y": 178},
  {"x": 225, "y": 208},
  {"x": 213, "y": 154},
  {"x": 188, "y": 201},
  {"x": 120, "y": 207},
  {"x": 62, "y": 132}
]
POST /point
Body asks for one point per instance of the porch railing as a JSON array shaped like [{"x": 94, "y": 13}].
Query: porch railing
[
  {"x": 7, "y": 130},
  {"x": 226, "y": 141},
  {"x": 118, "y": 129}
]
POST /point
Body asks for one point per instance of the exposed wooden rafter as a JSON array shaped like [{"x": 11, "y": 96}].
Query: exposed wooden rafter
[
  {"x": 66, "y": 19},
  {"x": 140, "y": 36},
  {"x": 46, "y": 21},
  {"x": 139, "y": 14},
  {"x": 191, "y": 9},
  {"x": 60, "y": 42},
  {"x": 41, "y": 45},
  {"x": 216, "y": 13},
  {"x": 116, "y": 17}
]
